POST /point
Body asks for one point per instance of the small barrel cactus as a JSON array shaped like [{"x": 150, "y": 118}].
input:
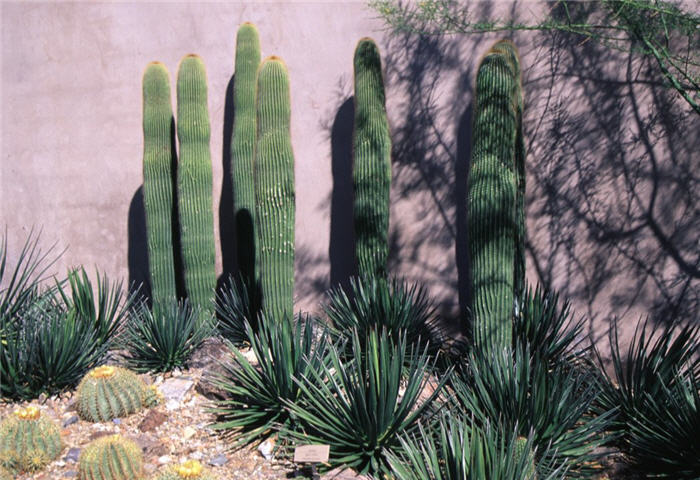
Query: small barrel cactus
[
  {"x": 109, "y": 392},
  {"x": 111, "y": 458},
  {"x": 28, "y": 441},
  {"x": 522, "y": 449},
  {"x": 189, "y": 470}
]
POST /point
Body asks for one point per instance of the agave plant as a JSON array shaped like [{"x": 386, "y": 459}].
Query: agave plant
[
  {"x": 514, "y": 389},
  {"x": 361, "y": 405},
  {"x": 376, "y": 303},
  {"x": 164, "y": 338},
  {"x": 664, "y": 438},
  {"x": 237, "y": 303},
  {"x": 255, "y": 406},
  {"x": 651, "y": 385},
  {"x": 452, "y": 448}
]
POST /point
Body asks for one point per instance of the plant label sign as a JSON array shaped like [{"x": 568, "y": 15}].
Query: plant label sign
[{"x": 311, "y": 453}]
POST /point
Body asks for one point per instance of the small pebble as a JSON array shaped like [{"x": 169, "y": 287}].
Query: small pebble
[
  {"x": 218, "y": 461},
  {"x": 164, "y": 459},
  {"x": 72, "y": 455},
  {"x": 71, "y": 421},
  {"x": 172, "y": 405},
  {"x": 117, "y": 421},
  {"x": 188, "y": 433},
  {"x": 70, "y": 474}
]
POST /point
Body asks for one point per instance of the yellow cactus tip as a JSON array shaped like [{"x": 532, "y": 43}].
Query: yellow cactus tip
[
  {"x": 189, "y": 469},
  {"x": 104, "y": 371},
  {"x": 29, "y": 413}
]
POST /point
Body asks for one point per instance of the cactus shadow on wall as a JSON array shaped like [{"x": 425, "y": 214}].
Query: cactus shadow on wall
[
  {"x": 227, "y": 230},
  {"x": 137, "y": 253},
  {"x": 341, "y": 248}
]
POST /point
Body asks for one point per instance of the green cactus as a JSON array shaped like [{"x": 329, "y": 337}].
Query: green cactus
[
  {"x": 111, "y": 458},
  {"x": 194, "y": 181},
  {"x": 496, "y": 204},
  {"x": 189, "y": 470},
  {"x": 243, "y": 148},
  {"x": 158, "y": 177},
  {"x": 372, "y": 162},
  {"x": 28, "y": 441},
  {"x": 109, "y": 392},
  {"x": 523, "y": 450},
  {"x": 274, "y": 188}
]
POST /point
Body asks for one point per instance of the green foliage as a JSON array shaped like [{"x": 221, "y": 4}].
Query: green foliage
[
  {"x": 50, "y": 336},
  {"x": 243, "y": 140},
  {"x": 256, "y": 396},
  {"x": 194, "y": 182},
  {"x": 515, "y": 391},
  {"x": 111, "y": 458},
  {"x": 109, "y": 392},
  {"x": 165, "y": 338},
  {"x": 664, "y": 437},
  {"x": 28, "y": 441},
  {"x": 453, "y": 449},
  {"x": 360, "y": 406},
  {"x": 4, "y": 474},
  {"x": 159, "y": 174},
  {"x": 274, "y": 189},
  {"x": 236, "y": 304},
  {"x": 644, "y": 377},
  {"x": 189, "y": 470},
  {"x": 376, "y": 303},
  {"x": 548, "y": 331},
  {"x": 663, "y": 33},
  {"x": 496, "y": 189},
  {"x": 372, "y": 162}
]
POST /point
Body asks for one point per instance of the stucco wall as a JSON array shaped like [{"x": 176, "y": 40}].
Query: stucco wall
[{"x": 604, "y": 139}]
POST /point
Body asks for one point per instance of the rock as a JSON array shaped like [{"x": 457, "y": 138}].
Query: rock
[
  {"x": 150, "y": 446},
  {"x": 171, "y": 405},
  {"x": 188, "y": 433},
  {"x": 72, "y": 455},
  {"x": 176, "y": 388},
  {"x": 266, "y": 448},
  {"x": 207, "y": 356},
  {"x": 165, "y": 459},
  {"x": 71, "y": 421},
  {"x": 218, "y": 460},
  {"x": 152, "y": 420},
  {"x": 117, "y": 421},
  {"x": 70, "y": 474},
  {"x": 206, "y": 386},
  {"x": 98, "y": 434}
]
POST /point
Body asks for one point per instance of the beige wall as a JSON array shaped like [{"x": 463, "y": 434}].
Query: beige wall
[{"x": 602, "y": 142}]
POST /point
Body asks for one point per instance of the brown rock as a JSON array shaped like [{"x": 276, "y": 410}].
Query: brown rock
[{"x": 152, "y": 420}]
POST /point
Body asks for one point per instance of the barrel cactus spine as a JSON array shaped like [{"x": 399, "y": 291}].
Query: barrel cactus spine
[
  {"x": 109, "y": 392},
  {"x": 158, "y": 179},
  {"x": 274, "y": 188},
  {"x": 111, "y": 458},
  {"x": 28, "y": 441},
  {"x": 243, "y": 149},
  {"x": 372, "y": 162},
  {"x": 496, "y": 189},
  {"x": 189, "y": 470},
  {"x": 194, "y": 182}
]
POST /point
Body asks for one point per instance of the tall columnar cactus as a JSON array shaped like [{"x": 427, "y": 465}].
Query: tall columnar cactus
[
  {"x": 158, "y": 178},
  {"x": 522, "y": 449},
  {"x": 274, "y": 188},
  {"x": 110, "y": 392},
  {"x": 194, "y": 181},
  {"x": 372, "y": 162},
  {"x": 28, "y": 441},
  {"x": 496, "y": 204},
  {"x": 243, "y": 148},
  {"x": 111, "y": 458}
]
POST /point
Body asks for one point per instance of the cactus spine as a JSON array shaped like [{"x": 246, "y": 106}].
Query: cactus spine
[
  {"x": 111, "y": 458},
  {"x": 372, "y": 162},
  {"x": 194, "y": 180},
  {"x": 189, "y": 470},
  {"x": 110, "y": 392},
  {"x": 158, "y": 177},
  {"x": 496, "y": 204},
  {"x": 243, "y": 148},
  {"x": 274, "y": 188},
  {"x": 28, "y": 441}
]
